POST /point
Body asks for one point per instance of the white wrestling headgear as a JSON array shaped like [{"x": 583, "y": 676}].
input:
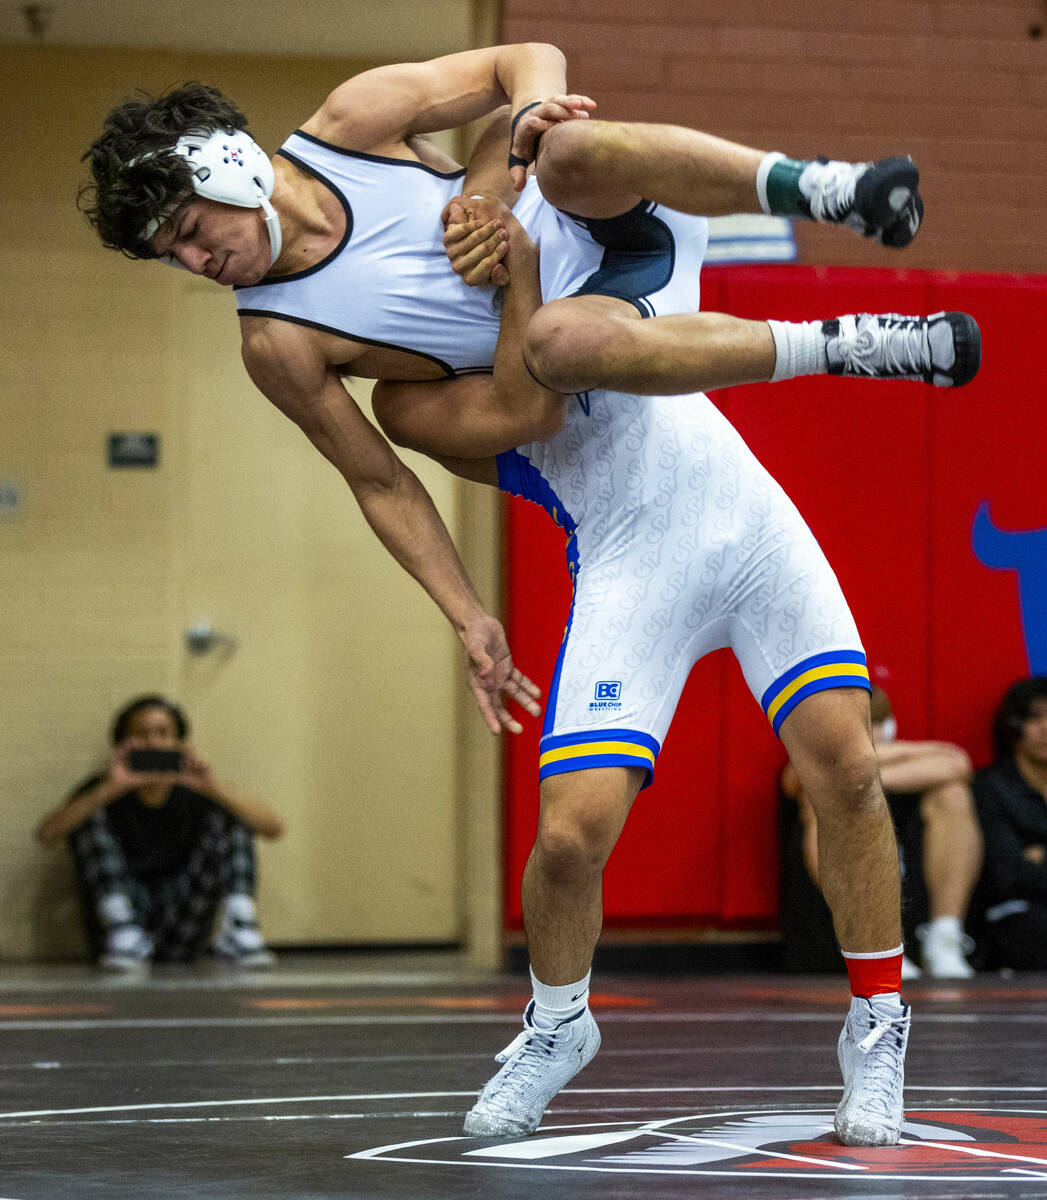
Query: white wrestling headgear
[{"x": 228, "y": 166}]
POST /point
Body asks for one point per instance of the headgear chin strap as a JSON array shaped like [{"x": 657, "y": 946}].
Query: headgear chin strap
[{"x": 229, "y": 166}]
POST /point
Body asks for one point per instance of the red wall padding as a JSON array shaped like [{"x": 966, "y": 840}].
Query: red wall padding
[{"x": 889, "y": 477}]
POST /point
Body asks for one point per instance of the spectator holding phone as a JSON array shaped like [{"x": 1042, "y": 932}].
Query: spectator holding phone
[{"x": 159, "y": 846}]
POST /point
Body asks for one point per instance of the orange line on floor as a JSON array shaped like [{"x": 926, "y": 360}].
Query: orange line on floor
[
  {"x": 506, "y": 1003},
  {"x": 52, "y": 1010}
]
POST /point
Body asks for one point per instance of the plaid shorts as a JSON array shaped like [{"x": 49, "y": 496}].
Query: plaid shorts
[{"x": 178, "y": 910}]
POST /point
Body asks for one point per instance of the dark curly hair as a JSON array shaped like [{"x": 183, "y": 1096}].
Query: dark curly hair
[
  {"x": 1014, "y": 710},
  {"x": 134, "y": 181}
]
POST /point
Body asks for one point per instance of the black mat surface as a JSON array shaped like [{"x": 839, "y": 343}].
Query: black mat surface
[{"x": 331, "y": 1081}]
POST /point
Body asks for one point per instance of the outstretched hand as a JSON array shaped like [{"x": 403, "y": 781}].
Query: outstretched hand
[
  {"x": 492, "y": 674},
  {"x": 532, "y": 121}
]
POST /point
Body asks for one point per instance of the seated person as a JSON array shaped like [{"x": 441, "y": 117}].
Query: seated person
[
  {"x": 935, "y": 776},
  {"x": 1012, "y": 803},
  {"x": 157, "y": 852}
]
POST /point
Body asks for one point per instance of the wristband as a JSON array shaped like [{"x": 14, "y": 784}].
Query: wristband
[{"x": 514, "y": 159}]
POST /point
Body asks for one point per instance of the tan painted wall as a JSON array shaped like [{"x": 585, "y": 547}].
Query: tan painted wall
[{"x": 343, "y": 705}]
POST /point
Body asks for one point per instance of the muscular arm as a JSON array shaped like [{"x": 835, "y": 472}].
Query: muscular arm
[
  {"x": 383, "y": 107},
  {"x": 394, "y": 503},
  {"x": 474, "y": 243},
  {"x": 392, "y": 499}
]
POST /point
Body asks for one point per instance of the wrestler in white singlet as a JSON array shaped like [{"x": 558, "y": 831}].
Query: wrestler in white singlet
[{"x": 388, "y": 283}]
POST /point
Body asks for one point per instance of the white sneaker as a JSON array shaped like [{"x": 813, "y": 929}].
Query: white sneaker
[
  {"x": 239, "y": 939},
  {"x": 871, "y": 1051},
  {"x": 538, "y": 1063},
  {"x": 127, "y": 948},
  {"x": 909, "y": 969},
  {"x": 241, "y": 944},
  {"x": 945, "y": 947}
]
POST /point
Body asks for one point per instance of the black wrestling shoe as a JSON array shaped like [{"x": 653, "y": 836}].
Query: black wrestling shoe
[
  {"x": 879, "y": 200},
  {"x": 944, "y": 349}
]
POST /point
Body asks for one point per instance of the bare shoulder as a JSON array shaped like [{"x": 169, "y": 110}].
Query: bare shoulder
[
  {"x": 282, "y": 356},
  {"x": 369, "y": 112}
]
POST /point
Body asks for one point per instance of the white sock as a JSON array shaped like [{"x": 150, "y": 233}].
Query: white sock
[
  {"x": 945, "y": 925},
  {"x": 893, "y": 998},
  {"x": 762, "y": 171},
  {"x": 800, "y": 347},
  {"x": 553, "y": 1004}
]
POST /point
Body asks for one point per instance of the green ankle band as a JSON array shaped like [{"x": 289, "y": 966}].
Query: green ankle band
[{"x": 784, "y": 197}]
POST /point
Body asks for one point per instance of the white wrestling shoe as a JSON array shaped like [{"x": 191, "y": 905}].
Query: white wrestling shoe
[
  {"x": 944, "y": 349},
  {"x": 880, "y": 200},
  {"x": 538, "y": 1063},
  {"x": 871, "y": 1051}
]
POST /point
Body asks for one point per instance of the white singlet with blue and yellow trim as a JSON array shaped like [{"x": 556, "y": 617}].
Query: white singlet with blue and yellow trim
[{"x": 680, "y": 543}]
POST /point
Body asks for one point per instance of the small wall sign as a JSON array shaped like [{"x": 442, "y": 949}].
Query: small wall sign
[
  {"x": 134, "y": 449},
  {"x": 10, "y": 498}
]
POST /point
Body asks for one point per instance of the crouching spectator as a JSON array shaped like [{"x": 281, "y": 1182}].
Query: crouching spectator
[
  {"x": 161, "y": 848},
  {"x": 1012, "y": 804}
]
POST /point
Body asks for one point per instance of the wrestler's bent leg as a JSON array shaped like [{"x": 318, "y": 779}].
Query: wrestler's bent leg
[
  {"x": 829, "y": 742},
  {"x": 582, "y": 814}
]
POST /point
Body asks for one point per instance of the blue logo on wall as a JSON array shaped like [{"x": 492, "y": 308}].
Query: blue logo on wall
[
  {"x": 1024, "y": 551},
  {"x": 609, "y": 689}
]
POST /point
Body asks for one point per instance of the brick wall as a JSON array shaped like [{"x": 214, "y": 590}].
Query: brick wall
[{"x": 960, "y": 86}]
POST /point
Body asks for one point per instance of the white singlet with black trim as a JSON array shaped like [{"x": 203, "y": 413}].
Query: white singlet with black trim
[{"x": 388, "y": 282}]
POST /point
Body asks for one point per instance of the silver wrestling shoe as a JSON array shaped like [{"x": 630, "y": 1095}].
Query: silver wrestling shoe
[
  {"x": 944, "y": 349},
  {"x": 879, "y": 199},
  {"x": 538, "y": 1063},
  {"x": 871, "y": 1051}
]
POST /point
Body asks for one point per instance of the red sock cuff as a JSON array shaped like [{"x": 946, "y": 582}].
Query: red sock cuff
[{"x": 874, "y": 974}]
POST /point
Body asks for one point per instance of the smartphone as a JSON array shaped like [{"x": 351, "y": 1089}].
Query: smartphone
[{"x": 155, "y": 760}]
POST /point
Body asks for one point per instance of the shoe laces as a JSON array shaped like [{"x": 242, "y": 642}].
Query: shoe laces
[
  {"x": 525, "y": 1056},
  {"x": 532, "y": 1047},
  {"x": 883, "y": 1047},
  {"x": 887, "y": 344},
  {"x": 832, "y": 197}
]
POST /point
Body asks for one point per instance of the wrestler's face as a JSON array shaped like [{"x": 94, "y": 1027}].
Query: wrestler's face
[
  {"x": 1032, "y": 744},
  {"x": 220, "y": 241}
]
